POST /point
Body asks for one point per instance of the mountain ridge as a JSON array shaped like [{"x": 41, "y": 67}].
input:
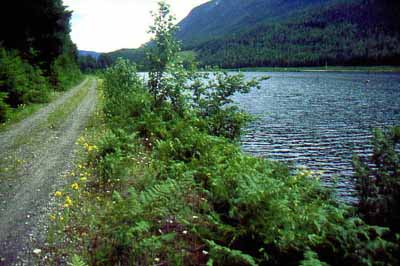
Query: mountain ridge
[
  {"x": 232, "y": 15},
  {"x": 264, "y": 33},
  {"x": 93, "y": 54}
]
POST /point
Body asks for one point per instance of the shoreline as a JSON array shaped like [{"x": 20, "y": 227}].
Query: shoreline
[{"x": 345, "y": 69}]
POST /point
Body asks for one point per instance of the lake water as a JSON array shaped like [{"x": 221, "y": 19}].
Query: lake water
[{"x": 319, "y": 119}]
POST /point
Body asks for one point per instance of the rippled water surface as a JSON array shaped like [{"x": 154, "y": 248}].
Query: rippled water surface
[{"x": 319, "y": 120}]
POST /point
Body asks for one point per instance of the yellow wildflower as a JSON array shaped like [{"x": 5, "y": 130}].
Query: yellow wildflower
[
  {"x": 68, "y": 202},
  {"x": 90, "y": 148},
  {"x": 58, "y": 194},
  {"x": 75, "y": 186},
  {"x": 53, "y": 217}
]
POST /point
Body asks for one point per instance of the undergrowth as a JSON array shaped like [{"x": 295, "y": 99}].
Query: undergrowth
[{"x": 23, "y": 86}]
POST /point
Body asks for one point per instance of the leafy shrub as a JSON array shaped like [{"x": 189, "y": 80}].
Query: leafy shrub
[
  {"x": 64, "y": 72},
  {"x": 206, "y": 94},
  {"x": 123, "y": 88},
  {"x": 22, "y": 82},
  {"x": 38, "y": 89},
  {"x": 76, "y": 261},
  {"x": 378, "y": 180},
  {"x": 4, "y": 107}
]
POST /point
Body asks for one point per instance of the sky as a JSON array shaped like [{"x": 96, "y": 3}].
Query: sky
[{"x": 109, "y": 25}]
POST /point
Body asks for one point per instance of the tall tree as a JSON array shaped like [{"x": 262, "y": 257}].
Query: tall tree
[{"x": 38, "y": 29}]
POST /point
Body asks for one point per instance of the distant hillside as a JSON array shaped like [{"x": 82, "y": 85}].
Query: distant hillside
[
  {"x": 95, "y": 55},
  {"x": 136, "y": 55},
  {"x": 222, "y": 17},
  {"x": 254, "y": 33},
  {"x": 234, "y": 33}
]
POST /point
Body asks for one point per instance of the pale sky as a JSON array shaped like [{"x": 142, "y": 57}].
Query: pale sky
[{"x": 109, "y": 25}]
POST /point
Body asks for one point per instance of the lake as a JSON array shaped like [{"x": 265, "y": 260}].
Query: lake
[{"x": 320, "y": 119}]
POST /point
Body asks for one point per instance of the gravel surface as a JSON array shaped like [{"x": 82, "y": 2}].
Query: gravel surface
[{"x": 33, "y": 159}]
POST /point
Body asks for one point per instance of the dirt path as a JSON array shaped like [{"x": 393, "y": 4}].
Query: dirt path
[{"x": 35, "y": 168}]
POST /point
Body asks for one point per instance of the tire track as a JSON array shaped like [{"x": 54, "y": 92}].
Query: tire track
[{"x": 25, "y": 197}]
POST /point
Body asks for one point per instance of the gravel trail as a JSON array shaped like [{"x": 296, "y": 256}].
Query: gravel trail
[{"x": 35, "y": 170}]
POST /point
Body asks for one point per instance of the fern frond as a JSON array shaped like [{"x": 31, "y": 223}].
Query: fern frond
[
  {"x": 76, "y": 261},
  {"x": 221, "y": 253}
]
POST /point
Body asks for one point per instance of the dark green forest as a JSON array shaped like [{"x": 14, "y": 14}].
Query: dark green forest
[
  {"x": 89, "y": 63},
  {"x": 281, "y": 33},
  {"x": 37, "y": 55},
  {"x": 348, "y": 33}
]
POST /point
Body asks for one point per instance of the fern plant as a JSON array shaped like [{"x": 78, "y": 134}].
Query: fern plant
[
  {"x": 76, "y": 261},
  {"x": 378, "y": 180}
]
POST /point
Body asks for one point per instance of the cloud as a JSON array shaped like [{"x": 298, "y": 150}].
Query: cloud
[{"x": 108, "y": 25}]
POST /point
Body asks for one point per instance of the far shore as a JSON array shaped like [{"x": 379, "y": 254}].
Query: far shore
[{"x": 372, "y": 69}]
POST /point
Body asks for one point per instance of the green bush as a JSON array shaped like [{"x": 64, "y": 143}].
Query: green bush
[
  {"x": 22, "y": 82},
  {"x": 378, "y": 180},
  {"x": 123, "y": 88},
  {"x": 64, "y": 72},
  {"x": 4, "y": 108}
]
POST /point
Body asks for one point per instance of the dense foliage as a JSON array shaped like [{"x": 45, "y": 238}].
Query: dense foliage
[
  {"x": 36, "y": 52},
  {"x": 378, "y": 180},
  {"x": 167, "y": 184},
  {"x": 90, "y": 63},
  {"x": 20, "y": 81}
]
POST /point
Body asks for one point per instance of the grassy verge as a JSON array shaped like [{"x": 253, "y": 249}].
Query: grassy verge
[
  {"x": 59, "y": 115},
  {"x": 55, "y": 118},
  {"x": 25, "y": 111},
  {"x": 78, "y": 201},
  {"x": 372, "y": 69},
  {"x": 20, "y": 114},
  {"x": 11, "y": 163}
]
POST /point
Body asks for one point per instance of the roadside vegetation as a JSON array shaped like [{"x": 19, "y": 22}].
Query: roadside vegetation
[
  {"x": 164, "y": 182},
  {"x": 59, "y": 115},
  {"x": 52, "y": 119},
  {"x": 37, "y": 57}
]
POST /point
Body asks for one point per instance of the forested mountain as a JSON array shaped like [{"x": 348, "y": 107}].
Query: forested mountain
[
  {"x": 234, "y": 33},
  {"x": 36, "y": 52},
  {"x": 221, "y": 17},
  {"x": 90, "y": 61},
  {"x": 95, "y": 55},
  {"x": 252, "y": 33}
]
